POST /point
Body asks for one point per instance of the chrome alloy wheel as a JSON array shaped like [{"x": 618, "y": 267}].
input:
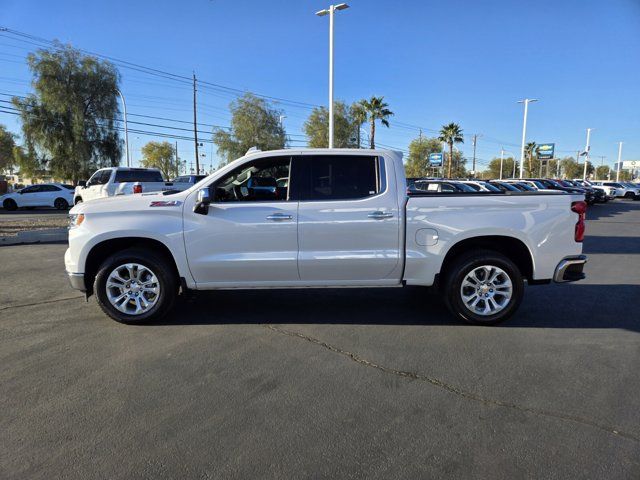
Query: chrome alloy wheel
[
  {"x": 132, "y": 288},
  {"x": 486, "y": 290}
]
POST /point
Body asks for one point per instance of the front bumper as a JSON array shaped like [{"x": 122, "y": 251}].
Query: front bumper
[
  {"x": 77, "y": 281},
  {"x": 570, "y": 269}
]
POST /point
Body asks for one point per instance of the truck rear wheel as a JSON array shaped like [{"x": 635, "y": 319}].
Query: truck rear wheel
[
  {"x": 135, "y": 286},
  {"x": 483, "y": 287}
]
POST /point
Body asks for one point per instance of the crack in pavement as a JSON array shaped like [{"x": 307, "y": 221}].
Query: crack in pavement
[
  {"x": 20, "y": 305},
  {"x": 456, "y": 390}
]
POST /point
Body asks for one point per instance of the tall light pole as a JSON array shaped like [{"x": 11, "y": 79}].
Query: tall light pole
[
  {"x": 619, "y": 161},
  {"x": 126, "y": 129},
  {"x": 586, "y": 153},
  {"x": 330, "y": 11},
  {"x": 526, "y": 102}
]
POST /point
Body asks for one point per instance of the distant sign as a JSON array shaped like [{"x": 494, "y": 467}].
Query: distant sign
[
  {"x": 435, "y": 159},
  {"x": 546, "y": 151},
  {"x": 630, "y": 164}
]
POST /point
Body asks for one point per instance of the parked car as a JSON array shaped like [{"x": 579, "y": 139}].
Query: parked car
[
  {"x": 634, "y": 187},
  {"x": 529, "y": 184},
  {"x": 597, "y": 194},
  {"x": 505, "y": 187},
  {"x": 442, "y": 186},
  {"x": 114, "y": 181},
  {"x": 550, "y": 184},
  {"x": 345, "y": 221},
  {"x": 610, "y": 192},
  {"x": 481, "y": 186},
  {"x": 622, "y": 189},
  {"x": 56, "y": 195}
]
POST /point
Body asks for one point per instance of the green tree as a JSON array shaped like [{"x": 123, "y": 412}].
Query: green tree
[
  {"x": 602, "y": 172},
  {"x": 254, "y": 123},
  {"x": 493, "y": 170},
  {"x": 7, "y": 144},
  {"x": 161, "y": 155},
  {"x": 418, "y": 161},
  {"x": 569, "y": 168},
  {"x": 359, "y": 118},
  {"x": 27, "y": 161},
  {"x": 451, "y": 134},
  {"x": 70, "y": 117},
  {"x": 376, "y": 109},
  {"x": 531, "y": 153},
  {"x": 316, "y": 128},
  {"x": 459, "y": 169}
]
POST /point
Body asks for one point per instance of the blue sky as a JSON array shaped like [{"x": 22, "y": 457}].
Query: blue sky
[{"x": 435, "y": 62}]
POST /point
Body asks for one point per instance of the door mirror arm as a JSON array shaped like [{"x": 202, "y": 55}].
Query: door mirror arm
[{"x": 203, "y": 200}]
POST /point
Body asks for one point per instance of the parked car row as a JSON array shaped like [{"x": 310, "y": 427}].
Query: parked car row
[{"x": 594, "y": 192}]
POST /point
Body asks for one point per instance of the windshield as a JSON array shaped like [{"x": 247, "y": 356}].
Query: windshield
[
  {"x": 490, "y": 187},
  {"x": 464, "y": 187}
]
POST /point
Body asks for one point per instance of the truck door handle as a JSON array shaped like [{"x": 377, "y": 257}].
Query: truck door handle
[
  {"x": 278, "y": 217},
  {"x": 378, "y": 215}
]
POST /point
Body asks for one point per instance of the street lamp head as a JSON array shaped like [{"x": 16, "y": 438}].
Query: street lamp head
[
  {"x": 322, "y": 13},
  {"x": 341, "y": 6}
]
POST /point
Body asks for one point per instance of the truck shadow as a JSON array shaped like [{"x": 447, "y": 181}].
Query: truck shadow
[
  {"x": 607, "y": 244},
  {"x": 612, "y": 209},
  {"x": 553, "y": 306}
]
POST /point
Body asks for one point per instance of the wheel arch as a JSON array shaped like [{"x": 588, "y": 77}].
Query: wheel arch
[
  {"x": 102, "y": 250},
  {"x": 511, "y": 247}
]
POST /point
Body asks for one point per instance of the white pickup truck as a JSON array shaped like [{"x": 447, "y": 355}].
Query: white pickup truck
[
  {"x": 113, "y": 181},
  {"x": 341, "y": 219}
]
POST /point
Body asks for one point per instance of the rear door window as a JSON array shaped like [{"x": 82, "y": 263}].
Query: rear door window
[
  {"x": 123, "y": 176},
  {"x": 341, "y": 177}
]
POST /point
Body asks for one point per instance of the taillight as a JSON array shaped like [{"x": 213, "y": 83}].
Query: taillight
[
  {"x": 137, "y": 187},
  {"x": 581, "y": 209}
]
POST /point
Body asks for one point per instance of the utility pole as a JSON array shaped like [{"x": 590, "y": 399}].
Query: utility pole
[
  {"x": 126, "y": 128},
  {"x": 177, "y": 159},
  {"x": 195, "y": 125},
  {"x": 619, "y": 161},
  {"x": 501, "y": 160},
  {"x": 475, "y": 140},
  {"x": 526, "y": 102},
  {"x": 586, "y": 151}
]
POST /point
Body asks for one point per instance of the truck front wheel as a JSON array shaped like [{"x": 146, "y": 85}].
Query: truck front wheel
[
  {"x": 483, "y": 287},
  {"x": 135, "y": 286}
]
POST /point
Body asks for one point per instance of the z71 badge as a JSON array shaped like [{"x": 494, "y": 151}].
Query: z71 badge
[{"x": 165, "y": 203}]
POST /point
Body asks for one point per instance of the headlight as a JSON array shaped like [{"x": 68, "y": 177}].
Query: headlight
[{"x": 75, "y": 220}]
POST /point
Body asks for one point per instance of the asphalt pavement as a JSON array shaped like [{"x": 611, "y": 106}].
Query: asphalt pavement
[{"x": 352, "y": 383}]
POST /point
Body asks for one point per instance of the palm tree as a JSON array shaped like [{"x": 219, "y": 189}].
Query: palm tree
[
  {"x": 531, "y": 150},
  {"x": 376, "y": 109},
  {"x": 451, "y": 134},
  {"x": 359, "y": 116}
]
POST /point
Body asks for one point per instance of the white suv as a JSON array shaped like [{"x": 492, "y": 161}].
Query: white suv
[{"x": 624, "y": 190}]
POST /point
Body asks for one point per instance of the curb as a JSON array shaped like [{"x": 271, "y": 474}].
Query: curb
[{"x": 50, "y": 235}]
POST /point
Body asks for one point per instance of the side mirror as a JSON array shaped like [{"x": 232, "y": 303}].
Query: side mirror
[
  {"x": 82, "y": 183},
  {"x": 203, "y": 200}
]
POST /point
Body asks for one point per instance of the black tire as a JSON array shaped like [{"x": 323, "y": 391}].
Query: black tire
[
  {"x": 61, "y": 204},
  {"x": 165, "y": 274},
  {"x": 10, "y": 205},
  {"x": 630, "y": 195},
  {"x": 77, "y": 200},
  {"x": 465, "y": 264}
]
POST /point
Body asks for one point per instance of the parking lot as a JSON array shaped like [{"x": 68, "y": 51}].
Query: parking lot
[{"x": 377, "y": 383}]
